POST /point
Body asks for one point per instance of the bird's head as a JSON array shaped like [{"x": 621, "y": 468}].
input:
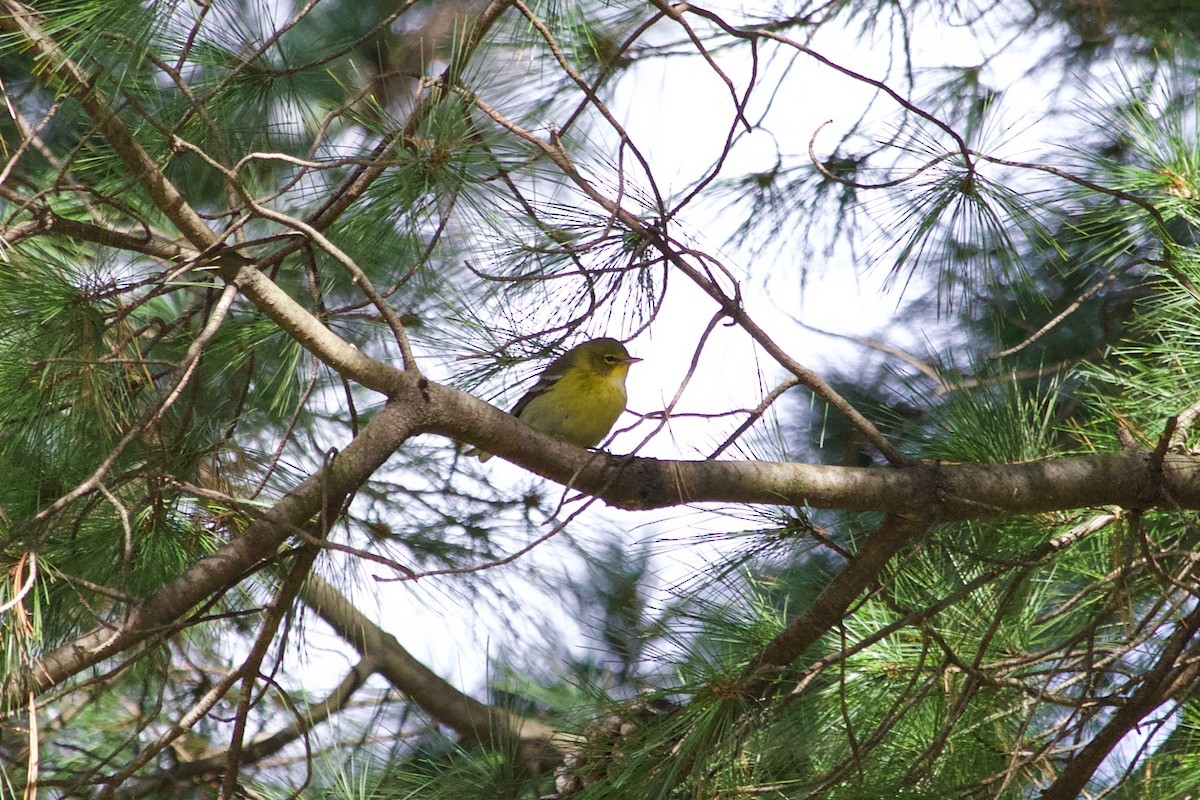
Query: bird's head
[{"x": 604, "y": 357}]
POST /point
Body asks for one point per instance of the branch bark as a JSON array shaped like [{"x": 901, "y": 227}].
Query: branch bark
[
  {"x": 922, "y": 492},
  {"x": 470, "y": 719},
  {"x": 262, "y": 539}
]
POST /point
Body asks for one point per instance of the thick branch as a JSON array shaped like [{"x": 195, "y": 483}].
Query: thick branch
[
  {"x": 920, "y": 493},
  {"x": 925, "y": 493},
  {"x": 223, "y": 569},
  {"x": 472, "y": 720}
]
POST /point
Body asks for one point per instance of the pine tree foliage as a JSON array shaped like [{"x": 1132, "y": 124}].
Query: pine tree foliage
[{"x": 267, "y": 268}]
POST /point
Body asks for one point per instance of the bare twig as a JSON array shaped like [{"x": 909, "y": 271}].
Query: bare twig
[{"x": 1087, "y": 294}]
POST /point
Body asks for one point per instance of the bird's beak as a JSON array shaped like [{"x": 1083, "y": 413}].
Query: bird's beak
[{"x": 632, "y": 360}]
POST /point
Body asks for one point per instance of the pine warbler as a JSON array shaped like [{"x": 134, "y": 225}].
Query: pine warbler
[{"x": 579, "y": 396}]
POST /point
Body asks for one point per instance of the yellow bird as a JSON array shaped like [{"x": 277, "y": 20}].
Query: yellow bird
[{"x": 579, "y": 396}]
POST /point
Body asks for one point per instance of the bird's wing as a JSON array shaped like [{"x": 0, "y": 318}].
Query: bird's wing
[{"x": 550, "y": 376}]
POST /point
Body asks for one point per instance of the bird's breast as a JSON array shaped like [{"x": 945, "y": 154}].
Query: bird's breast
[{"x": 579, "y": 409}]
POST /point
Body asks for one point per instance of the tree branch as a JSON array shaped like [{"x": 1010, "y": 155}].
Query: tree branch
[
  {"x": 830, "y": 606},
  {"x": 923, "y": 492},
  {"x": 470, "y": 719},
  {"x": 16, "y": 18},
  {"x": 1156, "y": 685},
  {"x": 305, "y": 720},
  {"x": 216, "y": 573}
]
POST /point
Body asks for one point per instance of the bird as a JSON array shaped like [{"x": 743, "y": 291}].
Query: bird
[{"x": 579, "y": 397}]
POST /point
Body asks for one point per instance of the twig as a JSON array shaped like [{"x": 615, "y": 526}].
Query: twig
[
  {"x": 1090, "y": 292},
  {"x": 755, "y": 414},
  {"x": 33, "y": 762},
  {"x": 18, "y": 568}
]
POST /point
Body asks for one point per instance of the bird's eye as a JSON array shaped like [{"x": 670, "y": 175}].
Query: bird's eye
[{"x": 610, "y": 358}]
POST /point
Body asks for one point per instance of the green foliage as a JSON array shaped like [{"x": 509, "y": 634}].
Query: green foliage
[{"x": 494, "y": 184}]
